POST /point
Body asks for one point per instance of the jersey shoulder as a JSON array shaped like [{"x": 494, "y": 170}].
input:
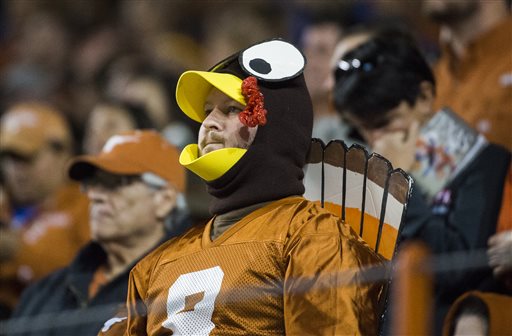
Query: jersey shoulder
[
  {"x": 307, "y": 219},
  {"x": 290, "y": 217},
  {"x": 171, "y": 249}
]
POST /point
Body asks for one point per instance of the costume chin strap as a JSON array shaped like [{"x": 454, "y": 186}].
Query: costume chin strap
[{"x": 212, "y": 165}]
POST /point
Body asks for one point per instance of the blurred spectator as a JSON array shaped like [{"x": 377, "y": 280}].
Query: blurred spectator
[
  {"x": 110, "y": 117},
  {"x": 474, "y": 72},
  {"x": 36, "y": 70},
  {"x": 164, "y": 43},
  {"x": 91, "y": 54},
  {"x": 385, "y": 88},
  {"x": 149, "y": 92},
  {"x": 173, "y": 52},
  {"x": 238, "y": 24},
  {"x": 46, "y": 216},
  {"x": 479, "y": 314},
  {"x": 131, "y": 78},
  {"x": 164, "y": 32},
  {"x": 132, "y": 186},
  {"x": 318, "y": 40},
  {"x": 94, "y": 50}
]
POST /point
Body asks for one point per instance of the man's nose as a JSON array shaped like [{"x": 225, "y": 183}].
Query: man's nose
[
  {"x": 96, "y": 193},
  {"x": 214, "y": 119},
  {"x": 328, "y": 83}
]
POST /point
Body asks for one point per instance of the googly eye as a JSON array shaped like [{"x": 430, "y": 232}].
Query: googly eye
[{"x": 272, "y": 61}]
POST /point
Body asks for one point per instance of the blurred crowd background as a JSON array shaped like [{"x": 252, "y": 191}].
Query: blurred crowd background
[
  {"x": 75, "y": 53},
  {"x": 110, "y": 66},
  {"x": 84, "y": 57}
]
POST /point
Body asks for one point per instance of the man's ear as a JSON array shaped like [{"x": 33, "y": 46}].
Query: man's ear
[
  {"x": 165, "y": 201},
  {"x": 425, "y": 101}
]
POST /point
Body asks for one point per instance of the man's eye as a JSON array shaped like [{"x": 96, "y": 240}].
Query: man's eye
[
  {"x": 207, "y": 111},
  {"x": 234, "y": 109}
]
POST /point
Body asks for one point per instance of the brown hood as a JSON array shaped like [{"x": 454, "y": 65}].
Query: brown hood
[{"x": 272, "y": 168}]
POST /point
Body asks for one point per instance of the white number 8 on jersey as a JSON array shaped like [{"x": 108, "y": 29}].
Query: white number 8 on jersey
[{"x": 191, "y": 301}]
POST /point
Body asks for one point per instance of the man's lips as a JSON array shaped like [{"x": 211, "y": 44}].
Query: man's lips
[
  {"x": 210, "y": 144},
  {"x": 211, "y": 141}
]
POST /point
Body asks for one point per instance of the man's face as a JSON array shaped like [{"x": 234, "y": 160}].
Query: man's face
[
  {"x": 31, "y": 179},
  {"x": 222, "y": 128},
  {"x": 120, "y": 206},
  {"x": 450, "y": 11}
]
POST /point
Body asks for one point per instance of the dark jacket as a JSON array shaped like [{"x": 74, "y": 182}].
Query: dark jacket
[
  {"x": 461, "y": 219},
  {"x": 59, "y": 303}
]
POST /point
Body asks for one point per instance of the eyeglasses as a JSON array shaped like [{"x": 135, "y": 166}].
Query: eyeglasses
[
  {"x": 109, "y": 181},
  {"x": 28, "y": 159},
  {"x": 346, "y": 67},
  {"x": 18, "y": 158}
]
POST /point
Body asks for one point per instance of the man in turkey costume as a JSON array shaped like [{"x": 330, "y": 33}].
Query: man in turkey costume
[{"x": 269, "y": 262}]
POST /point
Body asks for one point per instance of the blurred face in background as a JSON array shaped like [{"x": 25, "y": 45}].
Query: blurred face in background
[
  {"x": 398, "y": 119},
  {"x": 30, "y": 179},
  {"x": 450, "y": 11},
  {"x": 318, "y": 43},
  {"x": 105, "y": 121},
  {"x": 41, "y": 30}
]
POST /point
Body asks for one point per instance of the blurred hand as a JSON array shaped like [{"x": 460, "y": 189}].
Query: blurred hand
[
  {"x": 500, "y": 253},
  {"x": 399, "y": 147}
]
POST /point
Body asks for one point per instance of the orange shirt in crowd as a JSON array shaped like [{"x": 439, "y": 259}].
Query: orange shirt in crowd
[
  {"x": 479, "y": 86},
  {"x": 48, "y": 242}
]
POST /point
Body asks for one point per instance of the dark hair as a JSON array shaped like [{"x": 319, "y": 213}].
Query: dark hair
[
  {"x": 378, "y": 75},
  {"x": 139, "y": 115},
  {"x": 137, "y": 112}
]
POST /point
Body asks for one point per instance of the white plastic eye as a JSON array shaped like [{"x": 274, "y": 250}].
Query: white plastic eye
[{"x": 273, "y": 61}]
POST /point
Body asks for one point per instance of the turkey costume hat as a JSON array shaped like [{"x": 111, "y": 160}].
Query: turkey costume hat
[{"x": 277, "y": 102}]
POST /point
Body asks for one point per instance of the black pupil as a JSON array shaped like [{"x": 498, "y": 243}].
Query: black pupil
[{"x": 260, "y": 66}]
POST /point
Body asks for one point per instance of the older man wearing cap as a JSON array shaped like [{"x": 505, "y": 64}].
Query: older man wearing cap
[
  {"x": 269, "y": 262},
  {"x": 44, "y": 215},
  {"x": 132, "y": 185}
]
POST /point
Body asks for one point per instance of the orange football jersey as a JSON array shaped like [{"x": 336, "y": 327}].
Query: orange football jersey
[{"x": 279, "y": 270}]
